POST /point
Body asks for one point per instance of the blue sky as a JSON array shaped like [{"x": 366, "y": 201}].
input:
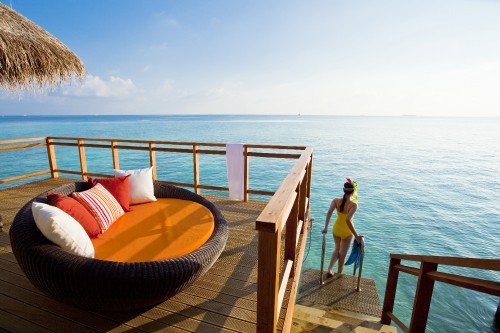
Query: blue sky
[{"x": 426, "y": 57}]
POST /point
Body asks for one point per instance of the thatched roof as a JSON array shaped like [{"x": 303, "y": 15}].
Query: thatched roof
[{"x": 30, "y": 57}]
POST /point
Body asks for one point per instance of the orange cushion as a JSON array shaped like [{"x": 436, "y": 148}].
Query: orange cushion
[
  {"x": 163, "y": 229},
  {"x": 76, "y": 210}
]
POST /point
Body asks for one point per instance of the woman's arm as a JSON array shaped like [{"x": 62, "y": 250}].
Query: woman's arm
[
  {"x": 350, "y": 214},
  {"x": 333, "y": 205}
]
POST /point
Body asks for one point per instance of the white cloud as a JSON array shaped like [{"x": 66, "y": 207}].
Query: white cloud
[{"x": 95, "y": 86}]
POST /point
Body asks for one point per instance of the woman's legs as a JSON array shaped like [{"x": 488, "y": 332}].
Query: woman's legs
[
  {"x": 335, "y": 254},
  {"x": 345, "y": 244}
]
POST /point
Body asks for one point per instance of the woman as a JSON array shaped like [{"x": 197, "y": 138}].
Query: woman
[{"x": 343, "y": 228}]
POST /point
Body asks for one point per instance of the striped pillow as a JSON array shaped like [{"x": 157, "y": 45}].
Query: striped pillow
[{"x": 101, "y": 204}]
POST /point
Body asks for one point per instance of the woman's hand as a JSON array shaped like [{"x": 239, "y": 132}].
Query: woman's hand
[
  {"x": 359, "y": 238},
  {"x": 324, "y": 231}
]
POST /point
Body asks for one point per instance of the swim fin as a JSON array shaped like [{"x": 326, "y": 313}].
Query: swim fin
[{"x": 355, "y": 255}]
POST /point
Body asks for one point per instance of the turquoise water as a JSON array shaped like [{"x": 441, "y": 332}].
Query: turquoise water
[{"x": 426, "y": 185}]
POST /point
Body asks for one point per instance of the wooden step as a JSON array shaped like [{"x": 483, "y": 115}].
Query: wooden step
[{"x": 323, "y": 319}]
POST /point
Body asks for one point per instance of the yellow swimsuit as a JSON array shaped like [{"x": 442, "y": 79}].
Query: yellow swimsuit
[{"x": 340, "y": 227}]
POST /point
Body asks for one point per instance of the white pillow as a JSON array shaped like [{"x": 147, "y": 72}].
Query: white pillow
[
  {"x": 62, "y": 229},
  {"x": 141, "y": 184}
]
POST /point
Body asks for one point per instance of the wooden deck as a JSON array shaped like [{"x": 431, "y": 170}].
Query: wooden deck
[{"x": 223, "y": 300}]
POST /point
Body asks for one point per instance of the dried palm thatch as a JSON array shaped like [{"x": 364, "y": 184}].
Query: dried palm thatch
[{"x": 30, "y": 57}]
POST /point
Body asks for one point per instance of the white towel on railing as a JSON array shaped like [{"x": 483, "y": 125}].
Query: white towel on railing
[{"x": 235, "y": 170}]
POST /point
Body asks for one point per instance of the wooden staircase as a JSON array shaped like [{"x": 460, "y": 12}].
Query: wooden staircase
[
  {"x": 336, "y": 306},
  {"x": 324, "y": 319}
]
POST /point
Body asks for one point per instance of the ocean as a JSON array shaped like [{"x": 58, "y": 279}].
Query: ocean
[{"x": 426, "y": 186}]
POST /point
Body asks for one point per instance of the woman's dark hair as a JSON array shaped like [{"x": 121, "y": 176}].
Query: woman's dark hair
[{"x": 348, "y": 189}]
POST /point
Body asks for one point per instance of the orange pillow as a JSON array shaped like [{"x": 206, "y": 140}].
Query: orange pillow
[
  {"x": 119, "y": 187},
  {"x": 76, "y": 210}
]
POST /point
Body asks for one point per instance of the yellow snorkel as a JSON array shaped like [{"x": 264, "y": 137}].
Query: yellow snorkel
[{"x": 354, "y": 197}]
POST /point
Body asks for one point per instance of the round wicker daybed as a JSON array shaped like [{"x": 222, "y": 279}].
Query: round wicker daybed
[{"x": 106, "y": 285}]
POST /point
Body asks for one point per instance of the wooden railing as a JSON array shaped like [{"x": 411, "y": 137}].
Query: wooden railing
[
  {"x": 427, "y": 275},
  {"x": 287, "y": 208},
  {"x": 18, "y": 144},
  {"x": 151, "y": 147}
]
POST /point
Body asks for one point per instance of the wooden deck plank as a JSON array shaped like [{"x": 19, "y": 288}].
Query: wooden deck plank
[
  {"x": 162, "y": 319},
  {"x": 37, "y": 315},
  {"x": 223, "y": 300},
  {"x": 213, "y": 318},
  {"x": 13, "y": 284},
  {"x": 12, "y": 323}
]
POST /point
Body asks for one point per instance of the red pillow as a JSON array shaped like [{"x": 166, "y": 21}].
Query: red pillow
[
  {"x": 76, "y": 210},
  {"x": 119, "y": 187}
]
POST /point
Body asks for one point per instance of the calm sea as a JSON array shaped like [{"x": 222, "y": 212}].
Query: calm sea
[{"x": 426, "y": 185}]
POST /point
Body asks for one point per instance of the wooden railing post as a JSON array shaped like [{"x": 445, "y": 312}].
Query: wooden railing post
[
  {"x": 114, "y": 152},
  {"x": 390, "y": 291},
  {"x": 268, "y": 280},
  {"x": 291, "y": 232},
  {"x": 152, "y": 159},
  {"x": 52, "y": 158},
  {"x": 196, "y": 170},
  {"x": 302, "y": 191},
  {"x": 246, "y": 173},
  {"x": 83, "y": 159},
  {"x": 423, "y": 296}
]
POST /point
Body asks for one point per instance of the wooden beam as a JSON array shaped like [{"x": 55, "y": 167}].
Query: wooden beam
[
  {"x": 276, "y": 147},
  {"x": 390, "y": 291},
  {"x": 274, "y": 155},
  {"x": 83, "y": 159},
  {"x": 28, "y": 175},
  {"x": 196, "y": 169},
  {"x": 484, "y": 286},
  {"x": 40, "y": 138},
  {"x": 407, "y": 269},
  {"x": 491, "y": 264},
  {"x": 291, "y": 231},
  {"x": 259, "y": 192},
  {"x": 274, "y": 211},
  {"x": 114, "y": 152},
  {"x": 246, "y": 173},
  {"x": 303, "y": 196},
  {"x": 171, "y": 143},
  {"x": 423, "y": 296},
  {"x": 287, "y": 274},
  {"x": 152, "y": 158},
  {"x": 295, "y": 282},
  {"x": 398, "y": 322},
  {"x": 268, "y": 281},
  {"x": 52, "y": 158},
  {"x": 28, "y": 145}
]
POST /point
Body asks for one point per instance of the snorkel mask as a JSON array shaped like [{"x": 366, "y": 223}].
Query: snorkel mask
[{"x": 354, "y": 197}]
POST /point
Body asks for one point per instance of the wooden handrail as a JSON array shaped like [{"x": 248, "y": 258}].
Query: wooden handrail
[
  {"x": 40, "y": 138},
  {"x": 25, "y": 143},
  {"x": 154, "y": 146},
  {"x": 29, "y": 175},
  {"x": 272, "y": 215},
  {"x": 150, "y": 146},
  {"x": 427, "y": 275},
  {"x": 479, "y": 263},
  {"x": 287, "y": 210}
]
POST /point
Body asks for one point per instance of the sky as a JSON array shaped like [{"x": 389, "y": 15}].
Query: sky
[{"x": 314, "y": 57}]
